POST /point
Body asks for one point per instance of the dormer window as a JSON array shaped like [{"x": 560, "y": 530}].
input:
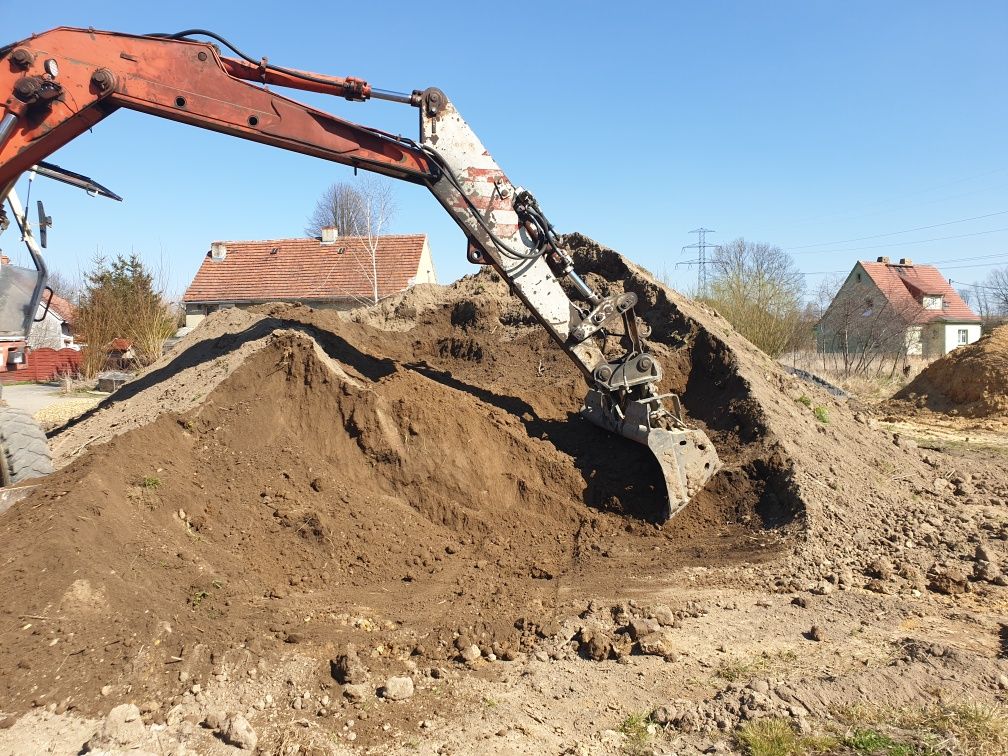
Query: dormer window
[{"x": 933, "y": 302}]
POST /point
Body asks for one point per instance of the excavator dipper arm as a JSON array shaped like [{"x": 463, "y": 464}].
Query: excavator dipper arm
[{"x": 61, "y": 83}]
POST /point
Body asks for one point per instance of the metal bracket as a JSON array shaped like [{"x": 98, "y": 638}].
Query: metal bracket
[
  {"x": 608, "y": 308},
  {"x": 630, "y": 371},
  {"x": 474, "y": 254}
]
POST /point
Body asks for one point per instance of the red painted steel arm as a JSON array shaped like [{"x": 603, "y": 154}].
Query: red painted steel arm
[{"x": 60, "y": 83}]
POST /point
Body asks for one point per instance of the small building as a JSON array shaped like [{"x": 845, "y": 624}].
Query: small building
[
  {"x": 913, "y": 305},
  {"x": 330, "y": 272},
  {"x": 53, "y": 328}
]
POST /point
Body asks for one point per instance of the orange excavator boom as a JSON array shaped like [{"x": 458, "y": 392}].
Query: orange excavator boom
[{"x": 60, "y": 83}]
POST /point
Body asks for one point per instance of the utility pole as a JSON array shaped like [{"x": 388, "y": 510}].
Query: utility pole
[{"x": 701, "y": 259}]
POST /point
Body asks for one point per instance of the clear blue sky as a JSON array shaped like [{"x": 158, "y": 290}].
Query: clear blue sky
[{"x": 793, "y": 123}]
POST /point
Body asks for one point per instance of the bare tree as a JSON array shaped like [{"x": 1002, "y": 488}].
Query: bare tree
[
  {"x": 361, "y": 210},
  {"x": 340, "y": 206},
  {"x": 377, "y": 208},
  {"x": 758, "y": 288},
  {"x": 997, "y": 286},
  {"x": 64, "y": 286},
  {"x": 864, "y": 331}
]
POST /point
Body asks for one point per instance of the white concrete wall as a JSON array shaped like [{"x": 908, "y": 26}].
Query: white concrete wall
[
  {"x": 952, "y": 334},
  {"x": 425, "y": 269}
]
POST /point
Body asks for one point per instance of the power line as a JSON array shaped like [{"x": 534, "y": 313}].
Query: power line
[
  {"x": 974, "y": 286},
  {"x": 892, "y": 200},
  {"x": 991, "y": 260},
  {"x": 967, "y": 259},
  {"x": 701, "y": 261},
  {"x": 974, "y": 265},
  {"x": 896, "y": 233},
  {"x": 908, "y": 243}
]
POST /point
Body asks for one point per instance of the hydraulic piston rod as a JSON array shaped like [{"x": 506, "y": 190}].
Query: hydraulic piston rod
[{"x": 7, "y": 127}]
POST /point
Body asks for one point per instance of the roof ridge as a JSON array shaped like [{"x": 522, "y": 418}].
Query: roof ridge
[
  {"x": 919, "y": 279},
  {"x": 314, "y": 239}
]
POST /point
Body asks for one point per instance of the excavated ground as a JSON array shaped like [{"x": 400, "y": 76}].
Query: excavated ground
[
  {"x": 414, "y": 478},
  {"x": 971, "y": 381}
]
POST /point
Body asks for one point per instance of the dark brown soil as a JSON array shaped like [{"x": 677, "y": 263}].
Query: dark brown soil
[{"x": 401, "y": 479}]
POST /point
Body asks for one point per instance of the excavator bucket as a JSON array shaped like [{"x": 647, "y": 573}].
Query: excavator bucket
[
  {"x": 687, "y": 459},
  {"x": 686, "y": 456}
]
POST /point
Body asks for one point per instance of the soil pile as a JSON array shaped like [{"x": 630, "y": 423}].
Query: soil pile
[
  {"x": 411, "y": 478},
  {"x": 971, "y": 380}
]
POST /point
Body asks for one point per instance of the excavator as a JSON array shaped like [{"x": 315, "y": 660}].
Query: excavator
[{"x": 60, "y": 83}]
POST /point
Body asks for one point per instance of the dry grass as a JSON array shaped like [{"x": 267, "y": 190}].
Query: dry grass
[
  {"x": 774, "y": 736},
  {"x": 736, "y": 670},
  {"x": 870, "y": 388},
  {"x": 638, "y": 731},
  {"x": 964, "y": 729}
]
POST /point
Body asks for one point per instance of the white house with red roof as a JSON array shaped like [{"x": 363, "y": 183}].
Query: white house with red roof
[
  {"x": 331, "y": 272},
  {"x": 882, "y": 298},
  {"x": 53, "y": 327}
]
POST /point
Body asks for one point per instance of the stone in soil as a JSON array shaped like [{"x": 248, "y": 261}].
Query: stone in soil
[
  {"x": 238, "y": 732},
  {"x": 398, "y": 688},
  {"x": 122, "y": 729}
]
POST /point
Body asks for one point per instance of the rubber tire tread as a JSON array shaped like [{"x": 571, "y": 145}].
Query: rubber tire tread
[{"x": 25, "y": 447}]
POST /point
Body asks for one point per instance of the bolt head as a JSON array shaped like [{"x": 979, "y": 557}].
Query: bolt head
[
  {"x": 103, "y": 79},
  {"x": 27, "y": 87},
  {"x": 22, "y": 57},
  {"x": 645, "y": 363}
]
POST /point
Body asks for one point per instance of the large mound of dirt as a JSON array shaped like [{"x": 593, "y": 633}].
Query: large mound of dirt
[
  {"x": 971, "y": 380},
  {"x": 408, "y": 476}
]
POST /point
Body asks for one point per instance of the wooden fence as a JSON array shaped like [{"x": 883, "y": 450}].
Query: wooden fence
[{"x": 44, "y": 365}]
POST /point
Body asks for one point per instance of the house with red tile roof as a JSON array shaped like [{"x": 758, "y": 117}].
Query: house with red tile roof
[
  {"x": 53, "y": 327},
  {"x": 886, "y": 300},
  {"x": 332, "y": 272}
]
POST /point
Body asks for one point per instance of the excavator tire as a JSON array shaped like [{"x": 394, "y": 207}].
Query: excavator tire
[{"x": 25, "y": 448}]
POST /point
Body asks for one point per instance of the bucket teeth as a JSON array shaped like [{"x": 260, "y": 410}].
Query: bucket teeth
[{"x": 686, "y": 456}]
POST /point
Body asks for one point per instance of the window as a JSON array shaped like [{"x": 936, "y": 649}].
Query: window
[
  {"x": 963, "y": 336},
  {"x": 933, "y": 302}
]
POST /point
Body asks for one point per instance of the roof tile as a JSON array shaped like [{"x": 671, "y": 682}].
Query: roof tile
[
  {"x": 278, "y": 269},
  {"x": 903, "y": 285}
]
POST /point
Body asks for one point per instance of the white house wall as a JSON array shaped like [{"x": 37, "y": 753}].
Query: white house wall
[
  {"x": 425, "y": 269},
  {"x": 49, "y": 332},
  {"x": 952, "y": 334}
]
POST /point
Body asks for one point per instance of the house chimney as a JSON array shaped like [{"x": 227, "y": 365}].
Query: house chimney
[
  {"x": 218, "y": 251},
  {"x": 883, "y": 259},
  {"x": 906, "y": 261},
  {"x": 330, "y": 234}
]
